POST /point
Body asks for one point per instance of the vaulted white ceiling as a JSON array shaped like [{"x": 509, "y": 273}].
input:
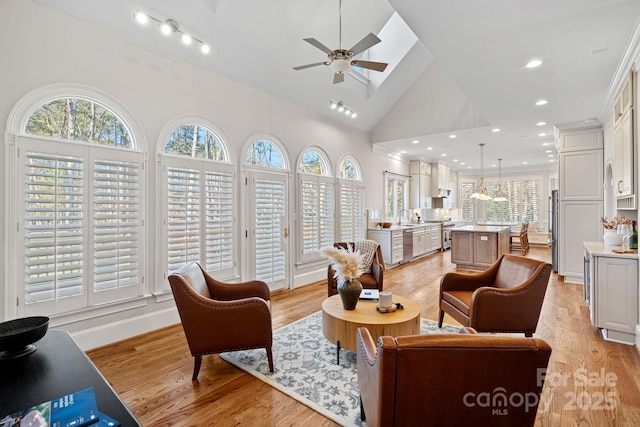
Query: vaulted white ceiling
[{"x": 466, "y": 74}]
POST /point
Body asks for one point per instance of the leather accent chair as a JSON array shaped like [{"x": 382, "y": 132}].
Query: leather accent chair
[
  {"x": 371, "y": 280},
  {"x": 507, "y": 297},
  {"x": 219, "y": 317},
  {"x": 450, "y": 379}
]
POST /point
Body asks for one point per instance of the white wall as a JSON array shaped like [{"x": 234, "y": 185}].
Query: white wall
[{"x": 41, "y": 47}]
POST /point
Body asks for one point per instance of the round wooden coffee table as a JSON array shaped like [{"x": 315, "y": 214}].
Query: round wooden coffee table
[{"x": 339, "y": 325}]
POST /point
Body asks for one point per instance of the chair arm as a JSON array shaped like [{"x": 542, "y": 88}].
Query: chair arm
[
  {"x": 234, "y": 291},
  {"x": 377, "y": 271},
  {"x": 453, "y": 281}
]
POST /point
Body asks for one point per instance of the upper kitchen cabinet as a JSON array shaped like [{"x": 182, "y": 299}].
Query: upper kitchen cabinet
[
  {"x": 580, "y": 139},
  {"x": 420, "y": 187},
  {"x": 440, "y": 185},
  {"x": 624, "y": 137},
  {"x": 581, "y": 164}
]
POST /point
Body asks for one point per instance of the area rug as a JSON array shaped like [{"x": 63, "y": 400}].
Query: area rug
[{"x": 306, "y": 369}]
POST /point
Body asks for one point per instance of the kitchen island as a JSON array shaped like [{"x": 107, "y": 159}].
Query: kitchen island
[{"x": 477, "y": 247}]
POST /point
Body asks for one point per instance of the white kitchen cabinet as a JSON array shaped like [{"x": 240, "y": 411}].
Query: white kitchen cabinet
[
  {"x": 434, "y": 233},
  {"x": 581, "y": 175},
  {"x": 580, "y": 139},
  {"x": 419, "y": 241},
  {"x": 440, "y": 184},
  {"x": 581, "y": 197},
  {"x": 390, "y": 243},
  {"x": 625, "y": 99},
  {"x": 420, "y": 190},
  {"x": 613, "y": 289},
  {"x": 580, "y": 222},
  {"x": 623, "y": 148}
]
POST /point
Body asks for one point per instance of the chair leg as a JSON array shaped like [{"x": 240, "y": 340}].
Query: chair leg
[
  {"x": 441, "y": 319},
  {"x": 196, "y": 366},
  {"x": 270, "y": 359},
  {"x": 363, "y": 416}
]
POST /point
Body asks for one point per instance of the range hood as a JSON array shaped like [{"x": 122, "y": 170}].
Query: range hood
[{"x": 442, "y": 193}]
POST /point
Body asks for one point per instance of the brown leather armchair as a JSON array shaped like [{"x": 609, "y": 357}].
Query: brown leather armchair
[
  {"x": 218, "y": 317},
  {"x": 370, "y": 280},
  {"x": 450, "y": 379},
  {"x": 507, "y": 297}
]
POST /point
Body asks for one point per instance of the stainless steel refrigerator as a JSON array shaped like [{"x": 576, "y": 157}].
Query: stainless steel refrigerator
[{"x": 553, "y": 228}]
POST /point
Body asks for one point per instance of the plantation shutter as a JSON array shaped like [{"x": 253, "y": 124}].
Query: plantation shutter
[
  {"x": 183, "y": 219},
  {"x": 54, "y": 227},
  {"x": 352, "y": 221},
  {"x": 219, "y": 221},
  {"x": 116, "y": 224},
  {"x": 270, "y": 213},
  {"x": 317, "y": 215}
]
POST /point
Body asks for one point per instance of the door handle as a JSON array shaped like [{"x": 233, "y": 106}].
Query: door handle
[{"x": 286, "y": 232}]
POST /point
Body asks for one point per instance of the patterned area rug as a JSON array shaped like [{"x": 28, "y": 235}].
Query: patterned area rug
[{"x": 306, "y": 370}]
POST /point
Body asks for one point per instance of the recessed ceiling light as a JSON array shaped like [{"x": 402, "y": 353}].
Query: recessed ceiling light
[
  {"x": 444, "y": 154},
  {"x": 534, "y": 63},
  {"x": 548, "y": 151},
  {"x": 525, "y": 163},
  {"x": 468, "y": 167},
  {"x": 493, "y": 166},
  {"x": 541, "y": 102},
  {"x": 452, "y": 136},
  {"x": 542, "y": 134},
  {"x": 495, "y": 130},
  {"x": 403, "y": 151},
  {"x": 541, "y": 123},
  {"x": 552, "y": 161},
  {"x": 429, "y": 148},
  {"x": 455, "y": 160},
  {"x": 546, "y": 144},
  {"x": 550, "y": 155},
  {"x": 415, "y": 141},
  {"x": 462, "y": 163}
]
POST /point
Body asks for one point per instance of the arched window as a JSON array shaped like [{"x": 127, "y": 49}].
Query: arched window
[
  {"x": 193, "y": 140},
  {"x": 349, "y": 169},
  {"x": 264, "y": 153},
  {"x": 80, "y": 237},
  {"x": 200, "y": 199},
  {"x": 78, "y": 119},
  {"x": 352, "y": 218},
  {"x": 316, "y": 204}
]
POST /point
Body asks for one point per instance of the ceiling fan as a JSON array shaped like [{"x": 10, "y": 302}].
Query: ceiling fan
[{"x": 340, "y": 59}]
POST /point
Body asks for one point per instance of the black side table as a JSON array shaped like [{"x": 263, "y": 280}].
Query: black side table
[{"x": 58, "y": 367}]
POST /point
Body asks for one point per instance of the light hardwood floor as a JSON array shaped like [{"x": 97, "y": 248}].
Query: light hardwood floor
[{"x": 152, "y": 372}]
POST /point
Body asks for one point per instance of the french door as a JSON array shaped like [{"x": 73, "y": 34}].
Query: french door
[{"x": 267, "y": 228}]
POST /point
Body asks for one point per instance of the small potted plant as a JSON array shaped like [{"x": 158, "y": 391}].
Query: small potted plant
[{"x": 348, "y": 267}]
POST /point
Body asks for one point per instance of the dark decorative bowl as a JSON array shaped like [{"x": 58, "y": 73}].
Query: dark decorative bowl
[{"x": 17, "y": 336}]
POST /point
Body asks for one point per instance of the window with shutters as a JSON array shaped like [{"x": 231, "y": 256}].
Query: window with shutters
[
  {"x": 316, "y": 204},
  {"x": 80, "y": 228},
  {"x": 351, "y": 218},
  {"x": 468, "y": 204},
  {"x": 396, "y": 196},
  {"x": 200, "y": 200},
  {"x": 523, "y": 201}
]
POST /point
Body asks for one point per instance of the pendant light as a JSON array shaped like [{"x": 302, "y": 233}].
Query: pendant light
[
  {"x": 500, "y": 196},
  {"x": 481, "y": 190}
]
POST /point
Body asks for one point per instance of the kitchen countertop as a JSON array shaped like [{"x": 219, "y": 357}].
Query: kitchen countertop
[
  {"x": 481, "y": 228},
  {"x": 600, "y": 249},
  {"x": 406, "y": 226}
]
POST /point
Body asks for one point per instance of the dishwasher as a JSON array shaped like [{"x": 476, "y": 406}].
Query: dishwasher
[{"x": 407, "y": 245}]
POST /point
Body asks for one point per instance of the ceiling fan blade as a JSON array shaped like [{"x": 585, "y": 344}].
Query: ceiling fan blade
[
  {"x": 319, "y": 45},
  {"x": 364, "y": 44},
  {"x": 338, "y": 78},
  {"x": 375, "y": 66},
  {"x": 302, "y": 67}
]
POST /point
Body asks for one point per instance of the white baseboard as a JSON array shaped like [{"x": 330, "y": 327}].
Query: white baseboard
[
  {"x": 306, "y": 278},
  {"x": 123, "y": 329}
]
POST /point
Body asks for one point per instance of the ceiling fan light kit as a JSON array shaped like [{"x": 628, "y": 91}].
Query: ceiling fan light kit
[
  {"x": 341, "y": 60},
  {"x": 170, "y": 26}
]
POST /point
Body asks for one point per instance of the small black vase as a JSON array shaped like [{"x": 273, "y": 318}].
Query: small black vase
[{"x": 349, "y": 293}]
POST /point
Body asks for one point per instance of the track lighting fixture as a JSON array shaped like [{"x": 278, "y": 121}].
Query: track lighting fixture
[
  {"x": 340, "y": 107},
  {"x": 170, "y": 26}
]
